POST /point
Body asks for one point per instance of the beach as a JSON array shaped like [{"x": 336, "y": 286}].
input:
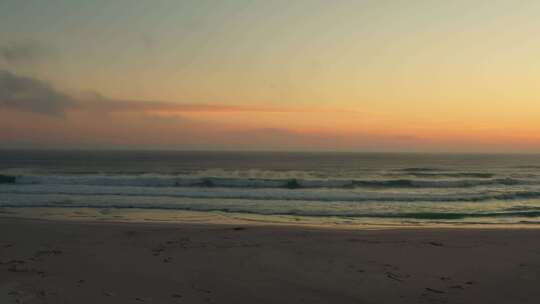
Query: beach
[
  {"x": 48, "y": 261},
  {"x": 269, "y": 152}
]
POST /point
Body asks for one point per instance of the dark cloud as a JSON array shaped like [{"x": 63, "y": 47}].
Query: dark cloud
[
  {"x": 22, "y": 52},
  {"x": 32, "y": 95}
]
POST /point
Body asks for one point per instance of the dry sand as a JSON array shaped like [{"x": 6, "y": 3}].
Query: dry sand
[{"x": 85, "y": 262}]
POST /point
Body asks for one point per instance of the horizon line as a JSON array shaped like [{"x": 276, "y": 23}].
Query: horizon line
[{"x": 72, "y": 149}]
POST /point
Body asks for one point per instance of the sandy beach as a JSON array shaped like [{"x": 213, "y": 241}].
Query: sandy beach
[
  {"x": 45, "y": 261},
  {"x": 269, "y": 152}
]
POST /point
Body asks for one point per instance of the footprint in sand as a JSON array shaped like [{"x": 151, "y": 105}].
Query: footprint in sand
[
  {"x": 445, "y": 278},
  {"x": 167, "y": 260},
  {"x": 434, "y": 290},
  {"x": 436, "y": 244},
  {"x": 143, "y": 299}
]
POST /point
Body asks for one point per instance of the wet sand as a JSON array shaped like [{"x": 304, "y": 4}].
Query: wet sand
[{"x": 90, "y": 262}]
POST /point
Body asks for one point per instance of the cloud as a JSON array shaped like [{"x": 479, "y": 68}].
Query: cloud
[
  {"x": 22, "y": 52},
  {"x": 29, "y": 94},
  {"x": 116, "y": 105},
  {"x": 32, "y": 95}
]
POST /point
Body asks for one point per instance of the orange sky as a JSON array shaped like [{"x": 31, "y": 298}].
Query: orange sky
[{"x": 271, "y": 75}]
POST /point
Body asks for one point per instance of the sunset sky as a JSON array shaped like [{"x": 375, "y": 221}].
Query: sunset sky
[{"x": 308, "y": 75}]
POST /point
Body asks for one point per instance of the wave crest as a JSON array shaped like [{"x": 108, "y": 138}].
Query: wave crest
[{"x": 224, "y": 182}]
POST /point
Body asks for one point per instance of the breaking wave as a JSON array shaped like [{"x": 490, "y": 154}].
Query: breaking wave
[
  {"x": 320, "y": 195},
  {"x": 153, "y": 180},
  {"x": 290, "y": 212}
]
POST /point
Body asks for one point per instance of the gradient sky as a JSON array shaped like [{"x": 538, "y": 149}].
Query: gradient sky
[{"x": 271, "y": 75}]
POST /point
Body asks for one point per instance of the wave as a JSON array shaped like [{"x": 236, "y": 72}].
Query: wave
[
  {"x": 7, "y": 179},
  {"x": 450, "y": 183},
  {"x": 275, "y": 195},
  {"x": 419, "y": 169},
  {"x": 523, "y": 208},
  {"x": 293, "y": 212},
  {"x": 454, "y": 174},
  {"x": 152, "y": 180},
  {"x": 437, "y": 172}
]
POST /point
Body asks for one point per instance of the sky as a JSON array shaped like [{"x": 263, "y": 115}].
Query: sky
[{"x": 309, "y": 75}]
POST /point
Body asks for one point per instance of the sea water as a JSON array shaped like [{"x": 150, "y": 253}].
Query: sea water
[{"x": 398, "y": 188}]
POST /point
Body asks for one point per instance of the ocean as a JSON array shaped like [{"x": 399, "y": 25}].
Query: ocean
[{"x": 351, "y": 188}]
